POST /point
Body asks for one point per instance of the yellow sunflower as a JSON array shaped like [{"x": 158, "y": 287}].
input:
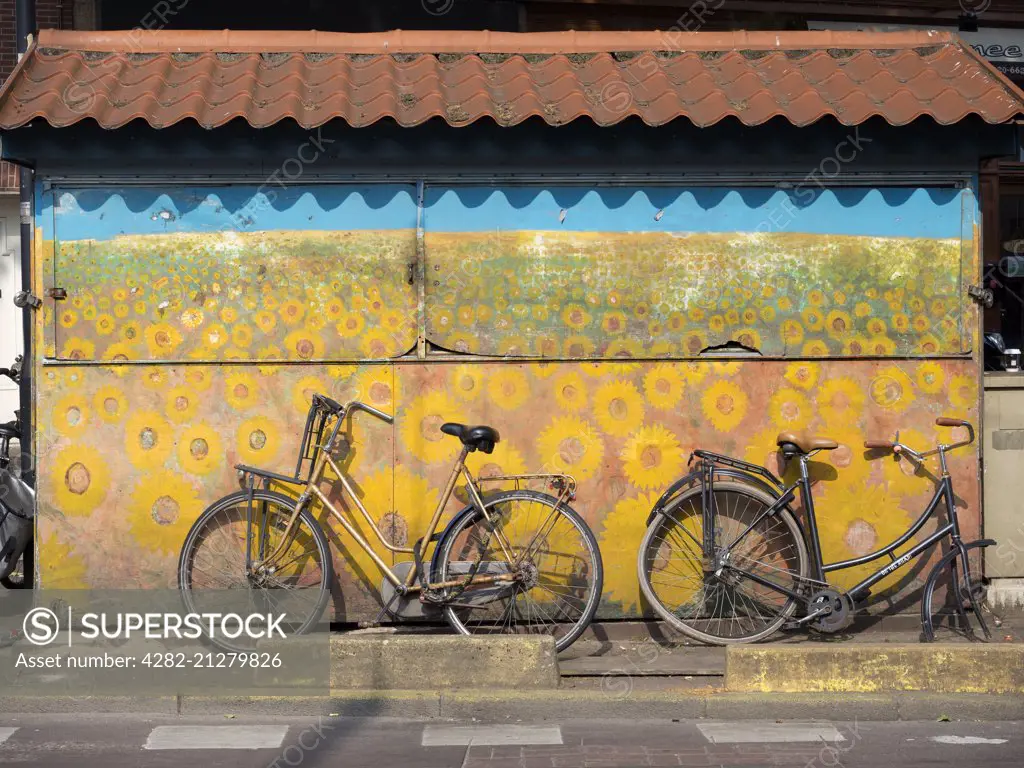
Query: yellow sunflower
[
  {"x": 292, "y": 311},
  {"x": 803, "y": 374},
  {"x": 162, "y": 507},
  {"x": 258, "y": 441},
  {"x": 467, "y": 382},
  {"x": 70, "y": 414},
  {"x": 724, "y": 404},
  {"x": 576, "y": 316},
  {"x": 789, "y": 409},
  {"x": 154, "y": 378},
  {"x": 891, "y": 388},
  {"x": 240, "y": 390},
  {"x": 623, "y": 530},
  {"x": 652, "y": 458},
  {"x": 570, "y": 391},
  {"x": 376, "y": 386},
  {"x": 840, "y": 400},
  {"x": 182, "y": 403},
  {"x": 110, "y": 403},
  {"x": 664, "y": 386},
  {"x": 78, "y": 349},
  {"x": 420, "y": 427},
  {"x": 68, "y": 318},
  {"x": 199, "y": 377},
  {"x": 148, "y": 439},
  {"x": 350, "y": 325},
  {"x": 79, "y": 480},
  {"x": 930, "y": 377},
  {"x": 303, "y": 391},
  {"x": 59, "y": 566},
  {"x": 963, "y": 391},
  {"x": 618, "y": 407},
  {"x": 571, "y": 445},
  {"x": 508, "y": 387},
  {"x": 377, "y": 343},
  {"x": 215, "y": 336},
  {"x": 266, "y": 320},
  {"x": 192, "y": 318},
  {"x": 578, "y": 347},
  {"x": 304, "y": 344},
  {"x": 200, "y": 449},
  {"x": 105, "y": 324}
]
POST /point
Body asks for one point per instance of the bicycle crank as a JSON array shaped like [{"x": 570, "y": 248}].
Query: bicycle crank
[{"x": 836, "y": 611}]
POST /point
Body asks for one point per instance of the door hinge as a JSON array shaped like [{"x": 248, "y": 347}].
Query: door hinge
[
  {"x": 981, "y": 295},
  {"x": 57, "y": 294}
]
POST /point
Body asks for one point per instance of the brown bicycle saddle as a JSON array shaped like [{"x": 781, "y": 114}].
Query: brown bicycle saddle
[{"x": 805, "y": 442}]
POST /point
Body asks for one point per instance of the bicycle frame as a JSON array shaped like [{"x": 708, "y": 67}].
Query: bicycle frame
[
  {"x": 312, "y": 490},
  {"x": 819, "y": 569}
]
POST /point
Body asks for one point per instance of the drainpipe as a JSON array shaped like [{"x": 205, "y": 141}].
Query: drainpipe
[{"x": 25, "y": 25}]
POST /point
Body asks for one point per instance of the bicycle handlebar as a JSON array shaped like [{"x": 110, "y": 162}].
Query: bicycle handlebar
[
  {"x": 942, "y": 421},
  {"x": 355, "y": 405}
]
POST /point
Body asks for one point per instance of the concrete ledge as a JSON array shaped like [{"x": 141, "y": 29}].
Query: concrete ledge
[
  {"x": 872, "y": 668},
  {"x": 439, "y": 662}
]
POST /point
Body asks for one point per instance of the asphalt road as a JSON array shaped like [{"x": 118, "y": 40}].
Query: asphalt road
[{"x": 126, "y": 741}]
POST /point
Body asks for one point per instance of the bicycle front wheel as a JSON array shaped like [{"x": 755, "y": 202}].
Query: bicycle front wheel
[
  {"x": 227, "y": 551},
  {"x": 724, "y": 605},
  {"x": 541, "y": 558}
]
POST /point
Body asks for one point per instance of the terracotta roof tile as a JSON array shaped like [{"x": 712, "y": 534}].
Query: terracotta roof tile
[{"x": 265, "y": 77}]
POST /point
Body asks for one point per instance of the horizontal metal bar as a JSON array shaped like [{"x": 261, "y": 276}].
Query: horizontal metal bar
[
  {"x": 455, "y": 358},
  {"x": 851, "y": 179}
]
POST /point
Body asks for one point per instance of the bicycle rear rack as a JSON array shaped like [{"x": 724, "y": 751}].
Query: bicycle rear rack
[{"x": 729, "y": 461}]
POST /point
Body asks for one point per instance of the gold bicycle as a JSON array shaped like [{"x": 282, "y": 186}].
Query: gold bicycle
[{"x": 511, "y": 561}]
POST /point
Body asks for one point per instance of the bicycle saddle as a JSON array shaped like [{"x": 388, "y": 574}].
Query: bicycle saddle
[
  {"x": 9, "y": 429},
  {"x": 477, "y": 438},
  {"x": 805, "y": 443}
]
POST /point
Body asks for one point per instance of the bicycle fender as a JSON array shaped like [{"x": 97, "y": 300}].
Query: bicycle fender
[
  {"x": 735, "y": 474},
  {"x": 662, "y": 502}
]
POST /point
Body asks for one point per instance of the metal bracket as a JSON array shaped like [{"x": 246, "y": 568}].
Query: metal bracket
[
  {"x": 57, "y": 294},
  {"x": 981, "y": 295},
  {"x": 24, "y": 299}
]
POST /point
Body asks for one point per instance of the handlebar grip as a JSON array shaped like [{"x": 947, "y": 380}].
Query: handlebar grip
[
  {"x": 870, "y": 444},
  {"x": 944, "y": 421},
  {"x": 373, "y": 411}
]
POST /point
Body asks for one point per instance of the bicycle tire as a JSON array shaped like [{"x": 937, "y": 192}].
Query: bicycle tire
[
  {"x": 651, "y": 549},
  {"x": 592, "y": 573},
  {"x": 27, "y": 570},
  {"x": 186, "y": 558},
  {"x": 946, "y": 562}
]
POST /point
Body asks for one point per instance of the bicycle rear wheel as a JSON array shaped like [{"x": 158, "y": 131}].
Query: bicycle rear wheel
[
  {"x": 723, "y": 606},
  {"x": 546, "y": 546},
  {"x": 212, "y": 567}
]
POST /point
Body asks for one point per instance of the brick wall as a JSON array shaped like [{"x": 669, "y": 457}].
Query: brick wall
[{"x": 50, "y": 14}]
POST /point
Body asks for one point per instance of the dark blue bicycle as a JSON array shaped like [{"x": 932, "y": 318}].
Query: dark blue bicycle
[{"x": 725, "y": 559}]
